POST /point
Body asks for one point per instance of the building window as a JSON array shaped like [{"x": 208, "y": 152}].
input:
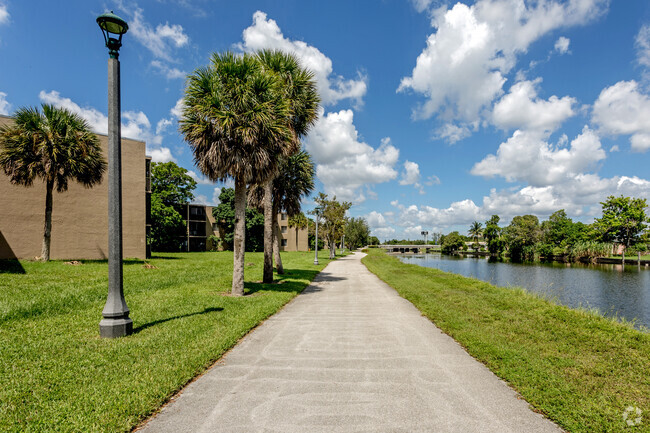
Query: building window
[
  {"x": 283, "y": 216},
  {"x": 215, "y": 227},
  {"x": 284, "y": 229},
  {"x": 284, "y": 242}
]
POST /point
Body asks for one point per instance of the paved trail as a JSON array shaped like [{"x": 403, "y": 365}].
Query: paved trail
[{"x": 348, "y": 355}]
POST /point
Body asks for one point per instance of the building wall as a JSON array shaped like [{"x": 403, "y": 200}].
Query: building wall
[
  {"x": 79, "y": 215},
  {"x": 288, "y": 236},
  {"x": 289, "y": 239}
]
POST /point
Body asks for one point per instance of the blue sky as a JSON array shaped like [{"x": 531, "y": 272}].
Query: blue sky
[{"x": 435, "y": 113}]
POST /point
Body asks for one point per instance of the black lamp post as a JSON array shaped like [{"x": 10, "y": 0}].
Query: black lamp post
[
  {"x": 317, "y": 212},
  {"x": 116, "y": 321}
]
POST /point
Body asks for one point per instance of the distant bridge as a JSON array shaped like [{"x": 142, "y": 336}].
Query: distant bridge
[{"x": 410, "y": 248}]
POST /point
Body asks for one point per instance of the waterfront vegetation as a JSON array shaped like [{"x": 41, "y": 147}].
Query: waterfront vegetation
[
  {"x": 56, "y": 374},
  {"x": 578, "y": 368}
]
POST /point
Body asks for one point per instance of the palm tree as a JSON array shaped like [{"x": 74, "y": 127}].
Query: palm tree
[
  {"x": 55, "y": 146},
  {"x": 294, "y": 182},
  {"x": 235, "y": 120},
  {"x": 299, "y": 90},
  {"x": 475, "y": 230},
  {"x": 299, "y": 222}
]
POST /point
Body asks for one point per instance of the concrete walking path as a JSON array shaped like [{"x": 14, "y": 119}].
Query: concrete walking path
[{"x": 348, "y": 355}]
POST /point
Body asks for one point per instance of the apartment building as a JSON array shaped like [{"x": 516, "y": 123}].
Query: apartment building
[
  {"x": 79, "y": 215},
  {"x": 201, "y": 225}
]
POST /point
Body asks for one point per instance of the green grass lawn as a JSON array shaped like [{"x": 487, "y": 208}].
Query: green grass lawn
[
  {"x": 56, "y": 374},
  {"x": 581, "y": 370}
]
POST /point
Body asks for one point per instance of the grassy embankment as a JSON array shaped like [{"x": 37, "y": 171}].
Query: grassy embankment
[
  {"x": 56, "y": 374},
  {"x": 581, "y": 370}
]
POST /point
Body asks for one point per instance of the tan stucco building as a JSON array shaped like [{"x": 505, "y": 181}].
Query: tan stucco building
[
  {"x": 79, "y": 215},
  {"x": 201, "y": 224}
]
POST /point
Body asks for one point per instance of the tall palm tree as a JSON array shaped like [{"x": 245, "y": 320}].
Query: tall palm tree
[
  {"x": 235, "y": 120},
  {"x": 475, "y": 230},
  {"x": 299, "y": 90},
  {"x": 55, "y": 145}
]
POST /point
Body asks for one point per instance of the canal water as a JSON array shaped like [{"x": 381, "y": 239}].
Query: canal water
[{"x": 614, "y": 290}]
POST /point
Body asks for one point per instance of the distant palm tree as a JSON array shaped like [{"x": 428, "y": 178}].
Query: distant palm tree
[
  {"x": 475, "y": 230},
  {"x": 299, "y": 90},
  {"x": 236, "y": 122},
  {"x": 55, "y": 146}
]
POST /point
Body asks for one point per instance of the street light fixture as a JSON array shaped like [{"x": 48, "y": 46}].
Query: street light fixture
[
  {"x": 317, "y": 212},
  {"x": 116, "y": 321}
]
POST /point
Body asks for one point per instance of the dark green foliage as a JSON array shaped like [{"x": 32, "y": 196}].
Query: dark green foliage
[
  {"x": 521, "y": 236},
  {"x": 171, "y": 183},
  {"x": 356, "y": 233},
  {"x": 170, "y": 186},
  {"x": 623, "y": 220},
  {"x": 452, "y": 243},
  {"x": 224, "y": 213},
  {"x": 167, "y": 228},
  {"x": 373, "y": 240}
]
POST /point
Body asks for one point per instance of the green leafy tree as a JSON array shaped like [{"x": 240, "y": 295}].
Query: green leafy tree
[
  {"x": 521, "y": 236},
  {"x": 332, "y": 220},
  {"x": 373, "y": 240},
  {"x": 171, "y": 186},
  {"x": 357, "y": 233},
  {"x": 492, "y": 235},
  {"x": 54, "y": 145},
  {"x": 236, "y": 121},
  {"x": 171, "y": 183},
  {"x": 623, "y": 220},
  {"x": 452, "y": 243},
  {"x": 298, "y": 88},
  {"x": 224, "y": 214}
]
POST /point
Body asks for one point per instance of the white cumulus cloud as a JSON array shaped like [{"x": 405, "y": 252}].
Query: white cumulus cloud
[
  {"x": 464, "y": 65},
  {"x": 562, "y": 45},
  {"x": 344, "y": 163},
  {"x": 624, "y": 109},
  {"x": 135, "y": 124},
  {"x": 528, "y": 157},
  {"x": 265, "y": 33},
  {"x": 522, "y": 109},
  {"x": 161, "y": 40}
]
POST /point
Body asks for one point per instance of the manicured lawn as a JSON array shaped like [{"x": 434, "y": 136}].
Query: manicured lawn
[
  {"x": 581, "y": 370},
  {"x": 56, "y": 374}
]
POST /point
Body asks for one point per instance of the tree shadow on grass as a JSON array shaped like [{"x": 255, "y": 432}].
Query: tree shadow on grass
[
  {"x": 11, "y": 266},
  {"x": 180, "y": 316},
  {"x": 292, "y": 280},
  {"x": 164, "y": 258}
]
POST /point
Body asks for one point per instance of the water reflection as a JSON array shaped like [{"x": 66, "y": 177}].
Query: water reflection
[{"x": 615, "y": 290}]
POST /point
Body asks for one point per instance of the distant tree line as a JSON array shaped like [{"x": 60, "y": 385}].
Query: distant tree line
[{"x": 623, "y": 223}]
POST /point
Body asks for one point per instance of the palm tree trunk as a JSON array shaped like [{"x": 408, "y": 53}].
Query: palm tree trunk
[
  {"x": 240, "y": 238},
  {"x": 47, "y": 232},
  {"x": 276, "y": 244},
  {"x": 268, "y": 232}
]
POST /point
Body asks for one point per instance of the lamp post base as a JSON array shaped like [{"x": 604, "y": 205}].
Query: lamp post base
[{"x": 115, "y": 327}]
